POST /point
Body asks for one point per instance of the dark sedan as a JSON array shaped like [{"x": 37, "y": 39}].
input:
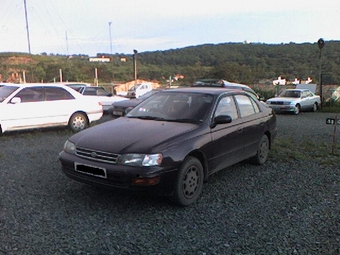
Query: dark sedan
[
  {"x": 120, "y": 108},
  {"x": 172, "y": 142}
]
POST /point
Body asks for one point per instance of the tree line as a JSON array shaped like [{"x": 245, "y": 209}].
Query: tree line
[{"x": 246, "y": 63}]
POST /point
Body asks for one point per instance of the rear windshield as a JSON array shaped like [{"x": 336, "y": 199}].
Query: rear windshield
[{"x": 5, "y": 91}]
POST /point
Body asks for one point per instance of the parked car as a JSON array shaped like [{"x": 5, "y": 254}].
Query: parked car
[
  {"x": 172, "y": 142},
  {"x": 26, "y": 106},
  {"x": 107, "y": 98},
  {"x": 139, "y": 90},
  {"x": 295, "y": 100},
  {"x": 76, "y": 85},
  {"x": 120, "y": 108},
  {"x": 219, "y": 83}
]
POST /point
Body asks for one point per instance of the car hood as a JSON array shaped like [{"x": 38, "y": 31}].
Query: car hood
[
  {"x": 130, "y": 135},
  {"x": 282, "y": 99},
  {"x": 127, "y": 103},
  {"x": 106, "y": 100}
]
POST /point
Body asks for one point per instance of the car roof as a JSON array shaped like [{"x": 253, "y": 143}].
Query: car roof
[
  {"x": 33, "y": 84},
  {"x": 208, "y": 90},
  {"x": 297, "y": 90},
  {"x": 73, "y": 83},
  {"x": 217, "y": 83},
  {"x": 29, "y": 85}
]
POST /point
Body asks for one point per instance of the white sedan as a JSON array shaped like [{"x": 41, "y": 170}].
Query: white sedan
[
  {"x": 101, "y": 94},
  {"x": 295, "y": 100},
  {"x": 38, "y": 105}
]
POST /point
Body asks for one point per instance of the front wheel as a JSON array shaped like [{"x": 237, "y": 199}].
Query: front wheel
[
  {"x": 262, "y": 152},
  {"x": 315, "y": 107},
  {"x": 297, "y": 109},
  {"x": 78, "y": 122},
  {"x": 189, "y": 183}
]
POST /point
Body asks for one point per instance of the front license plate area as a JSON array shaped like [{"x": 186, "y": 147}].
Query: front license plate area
[
  {"x": 90, "y": 170},
  {"x": 117, "y": 113}
]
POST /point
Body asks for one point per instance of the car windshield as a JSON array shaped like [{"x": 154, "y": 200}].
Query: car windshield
[
  {"x": 148, "y": 94},
  {"x": 179, "y": 107},
  {"x": 5, "y": 91},
  {"x": 290, "y": 93}
]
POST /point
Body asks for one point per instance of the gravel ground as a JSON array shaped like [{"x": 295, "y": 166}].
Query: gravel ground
[{"x": 291, "y": 205}]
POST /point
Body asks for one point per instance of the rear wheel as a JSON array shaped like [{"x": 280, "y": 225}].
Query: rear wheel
[
  {"x": 78, "y": 122},
  {"x": 188, "y": 186},
  {"x": 262, "y": 152}
]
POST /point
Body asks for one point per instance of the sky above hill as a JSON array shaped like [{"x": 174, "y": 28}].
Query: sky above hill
[{"x": 120, "y": 26}]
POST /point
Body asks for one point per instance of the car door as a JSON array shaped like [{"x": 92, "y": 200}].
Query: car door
[
  {"x": 25, "y": 109},
  {"x": 252, "y": 124},
  {"x": 227, "y": 139},
  {"x": 303, "y": 100},
  {"x": 60, "y": 104},
  {"x": 308, "y": 97}
]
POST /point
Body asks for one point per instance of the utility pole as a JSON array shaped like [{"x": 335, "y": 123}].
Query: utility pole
[
  {"x": 110, "y": 38},
  {"x": 27, "y": 30},
  {"x": 111, "y": 57},
  {"x": 66, "y": 42},
  {"x": 135, "y": 52},
  {"x": 28, "y": 39}
]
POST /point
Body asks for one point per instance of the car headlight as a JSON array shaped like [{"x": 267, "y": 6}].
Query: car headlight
[
  {"x": 141, "y": 159},
  {"x": 69, "y": 147}
]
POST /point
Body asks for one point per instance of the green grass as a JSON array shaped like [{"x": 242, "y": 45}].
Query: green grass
[
  {"x": 332, "y": 109},
  {"x": 285, "y": 150}
]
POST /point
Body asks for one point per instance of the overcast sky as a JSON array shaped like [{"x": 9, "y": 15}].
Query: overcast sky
[{"x": 120, "y": 26}]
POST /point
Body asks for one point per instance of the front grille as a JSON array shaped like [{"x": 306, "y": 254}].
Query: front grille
[
  {"x": 277, "y": 103},
  {"x": 97, "y": 155}
]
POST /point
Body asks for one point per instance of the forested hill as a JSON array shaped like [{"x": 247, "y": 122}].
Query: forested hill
[
  {"x": 237, "y": 62},
  {"x": 250, "y": 63}
]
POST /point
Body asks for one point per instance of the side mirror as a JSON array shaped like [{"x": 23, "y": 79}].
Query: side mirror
[
  {"x": 221, "y": 119},
  {"x": 127, "y": 110},
  {"x": 16, "y": 100}
]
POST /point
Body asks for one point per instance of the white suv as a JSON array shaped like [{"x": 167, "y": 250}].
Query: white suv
[
  {"x": 38, "y": 105},
  {"x": 139, "y": 90}
]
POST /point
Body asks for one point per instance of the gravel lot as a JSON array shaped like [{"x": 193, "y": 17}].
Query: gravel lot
[{"x": 291, "y": 205}]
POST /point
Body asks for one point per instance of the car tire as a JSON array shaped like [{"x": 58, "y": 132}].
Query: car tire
[
  {"x": 189, "y": 182},
  {"x": 78, "y": 122},
  {"x": 315, "y": 107},
  {"x": 262, "y": 152},
  {"x": 297, "y": 109}
]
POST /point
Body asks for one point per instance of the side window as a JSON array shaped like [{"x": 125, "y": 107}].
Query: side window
[
  {"x": 34, "y": 94},
  {"x": 88, "y": 91},
  {"x": 55, "y": 93},
  {"x": 102, "y": 92},
  {"x": 246, "y": 105},
  {"x": 226, "y": 106}
]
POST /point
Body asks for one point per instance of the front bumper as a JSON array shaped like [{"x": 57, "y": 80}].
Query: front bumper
[
  {"x": 158, "y": 180},
  {"x": 282, "y": 108}
]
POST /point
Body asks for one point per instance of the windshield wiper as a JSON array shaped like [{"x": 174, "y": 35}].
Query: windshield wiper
[
  {"x": 186, "y": 120},
  {"x": 147, "y": 117}
]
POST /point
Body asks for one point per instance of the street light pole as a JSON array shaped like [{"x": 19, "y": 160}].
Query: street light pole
[{"x": 321, "y": 43}]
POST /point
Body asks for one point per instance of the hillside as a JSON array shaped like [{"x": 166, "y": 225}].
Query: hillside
[{"x": 245, "y": 63}]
